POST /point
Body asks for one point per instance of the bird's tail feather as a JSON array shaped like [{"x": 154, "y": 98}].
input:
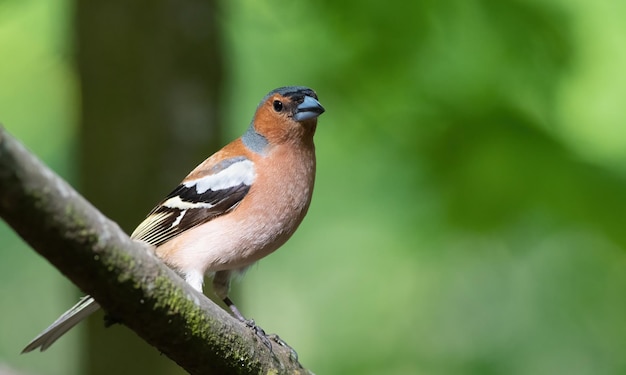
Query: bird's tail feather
[{"x": 85, "y": 307}]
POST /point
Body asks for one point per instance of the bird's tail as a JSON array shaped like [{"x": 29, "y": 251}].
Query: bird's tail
[{"x": 85, "y": 307}]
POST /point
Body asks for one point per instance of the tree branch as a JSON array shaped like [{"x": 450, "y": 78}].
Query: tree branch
[{"x": 126, "y": 279}]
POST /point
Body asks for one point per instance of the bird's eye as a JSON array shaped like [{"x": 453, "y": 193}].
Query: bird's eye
[{"x": 278, "y": 105}]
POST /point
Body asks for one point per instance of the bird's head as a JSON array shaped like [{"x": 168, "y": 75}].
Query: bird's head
[{"x": 288, "y": 113}]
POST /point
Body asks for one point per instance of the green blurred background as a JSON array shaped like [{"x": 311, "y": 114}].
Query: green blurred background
[{"x": 468, "y": 216}]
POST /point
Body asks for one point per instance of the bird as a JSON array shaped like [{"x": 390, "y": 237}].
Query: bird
[{"x": 236, "y": 207}]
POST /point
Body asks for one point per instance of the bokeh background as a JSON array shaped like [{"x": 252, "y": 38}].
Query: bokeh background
[{"x": 468, "y": 216}]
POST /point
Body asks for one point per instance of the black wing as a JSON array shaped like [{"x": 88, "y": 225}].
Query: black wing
[{"x": 197, "y": 201}]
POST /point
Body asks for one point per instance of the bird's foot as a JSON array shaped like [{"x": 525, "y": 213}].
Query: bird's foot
[
  {"x": 274, "y": 337},
  {"x": 265, "y": 338},
  {"x": 259, "y": 332}
]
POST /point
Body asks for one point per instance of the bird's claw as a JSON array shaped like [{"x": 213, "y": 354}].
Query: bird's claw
[
  {"x": 265, "y": 338},
  {"x": 274, "y": 337},
  {"x": 259, "y": 332}
]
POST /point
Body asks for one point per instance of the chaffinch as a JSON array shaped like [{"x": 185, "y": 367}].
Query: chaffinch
[{"x": 236, "y": 207}]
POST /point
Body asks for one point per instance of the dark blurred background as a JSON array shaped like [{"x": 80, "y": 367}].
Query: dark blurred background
[{"x": 468, "y": 216}]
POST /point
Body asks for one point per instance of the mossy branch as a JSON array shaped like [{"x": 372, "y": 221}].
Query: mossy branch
[{"x": 126, "y": 279}]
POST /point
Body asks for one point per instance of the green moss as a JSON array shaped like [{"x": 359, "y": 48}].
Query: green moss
[{"x": 73, "y": 218}]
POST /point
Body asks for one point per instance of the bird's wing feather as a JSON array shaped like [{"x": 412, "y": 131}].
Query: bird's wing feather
[{"x": 196, "y": 201}]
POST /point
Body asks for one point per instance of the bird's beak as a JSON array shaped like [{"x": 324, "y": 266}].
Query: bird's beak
[{"x": 308, "y": 109}]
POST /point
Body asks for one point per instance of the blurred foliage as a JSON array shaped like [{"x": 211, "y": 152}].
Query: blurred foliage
[
  {"x": 461, "y": 223},
  {"x": 467, "y": 217},
  {"x": 38, "y": 106}
]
